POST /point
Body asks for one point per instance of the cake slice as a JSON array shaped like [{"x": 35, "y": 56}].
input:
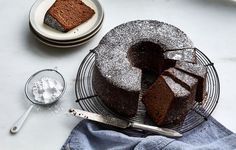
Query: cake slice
[
  {"x": 187, "y": 81},
  {"x": 198, "y": 71},
  {"x": 166, "y": 101},
  {"x": 64, "y": 15},
  {"x": 187, "y": 55}
]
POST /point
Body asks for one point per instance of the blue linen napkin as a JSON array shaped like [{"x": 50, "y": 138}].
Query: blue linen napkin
[{"x": 88, "y": 135}]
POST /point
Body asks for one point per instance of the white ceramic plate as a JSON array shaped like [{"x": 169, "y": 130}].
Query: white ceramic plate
[
  {"x": 61, "y": 45},
  {"x": 67, "y": 41},
  {"x": 40, "y": 8}
]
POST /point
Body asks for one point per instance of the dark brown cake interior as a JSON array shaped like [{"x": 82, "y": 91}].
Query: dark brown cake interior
[
  {"x": 166, "y": 101},
  {"x": 157, "y": 112}
]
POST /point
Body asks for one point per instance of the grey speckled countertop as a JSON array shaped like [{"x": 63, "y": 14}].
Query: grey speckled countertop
[{"x": 210, "y": 24}]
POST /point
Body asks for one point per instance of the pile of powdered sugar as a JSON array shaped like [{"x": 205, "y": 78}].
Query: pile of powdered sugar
[{"x": 47, "y": 90}]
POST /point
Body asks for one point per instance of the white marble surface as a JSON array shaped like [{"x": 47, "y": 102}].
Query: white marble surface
[{"x": 211, "y": 24}]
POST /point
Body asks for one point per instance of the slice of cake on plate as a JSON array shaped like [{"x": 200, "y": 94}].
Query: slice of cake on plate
[{"x": 65, "y": 15}]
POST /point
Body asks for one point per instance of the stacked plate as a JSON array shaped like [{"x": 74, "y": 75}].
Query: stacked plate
[{"x": 75, "y": 37}]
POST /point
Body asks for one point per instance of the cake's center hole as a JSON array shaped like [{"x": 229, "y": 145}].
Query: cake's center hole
[{"x": 149, "y": 57}]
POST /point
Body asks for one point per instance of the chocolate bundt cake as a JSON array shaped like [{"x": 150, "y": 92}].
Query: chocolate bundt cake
[
  {"x": 64, "y": 15},
  {"x": 130, "y": 48}
]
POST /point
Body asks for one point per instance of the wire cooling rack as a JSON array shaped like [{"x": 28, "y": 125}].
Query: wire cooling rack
[{"x": 90, "y": 101}]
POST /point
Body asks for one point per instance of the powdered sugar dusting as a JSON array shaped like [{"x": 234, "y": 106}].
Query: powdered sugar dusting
[
  {"x": 187, "y": 79},
  {"x": 196, "y": 69},
  {"x": 111, "y": 53},
  {"x": 176, "y": 88},
  {"x": 188, "y": 55}
]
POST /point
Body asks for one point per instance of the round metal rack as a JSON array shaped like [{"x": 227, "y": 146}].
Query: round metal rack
[{"x": 90, "y": 101}]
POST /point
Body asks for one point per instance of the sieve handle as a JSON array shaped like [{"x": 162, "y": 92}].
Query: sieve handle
[{"x": 19, "y": 123}]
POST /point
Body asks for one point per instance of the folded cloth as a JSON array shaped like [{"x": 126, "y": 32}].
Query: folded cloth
[{"x": 88, "y": 135}]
